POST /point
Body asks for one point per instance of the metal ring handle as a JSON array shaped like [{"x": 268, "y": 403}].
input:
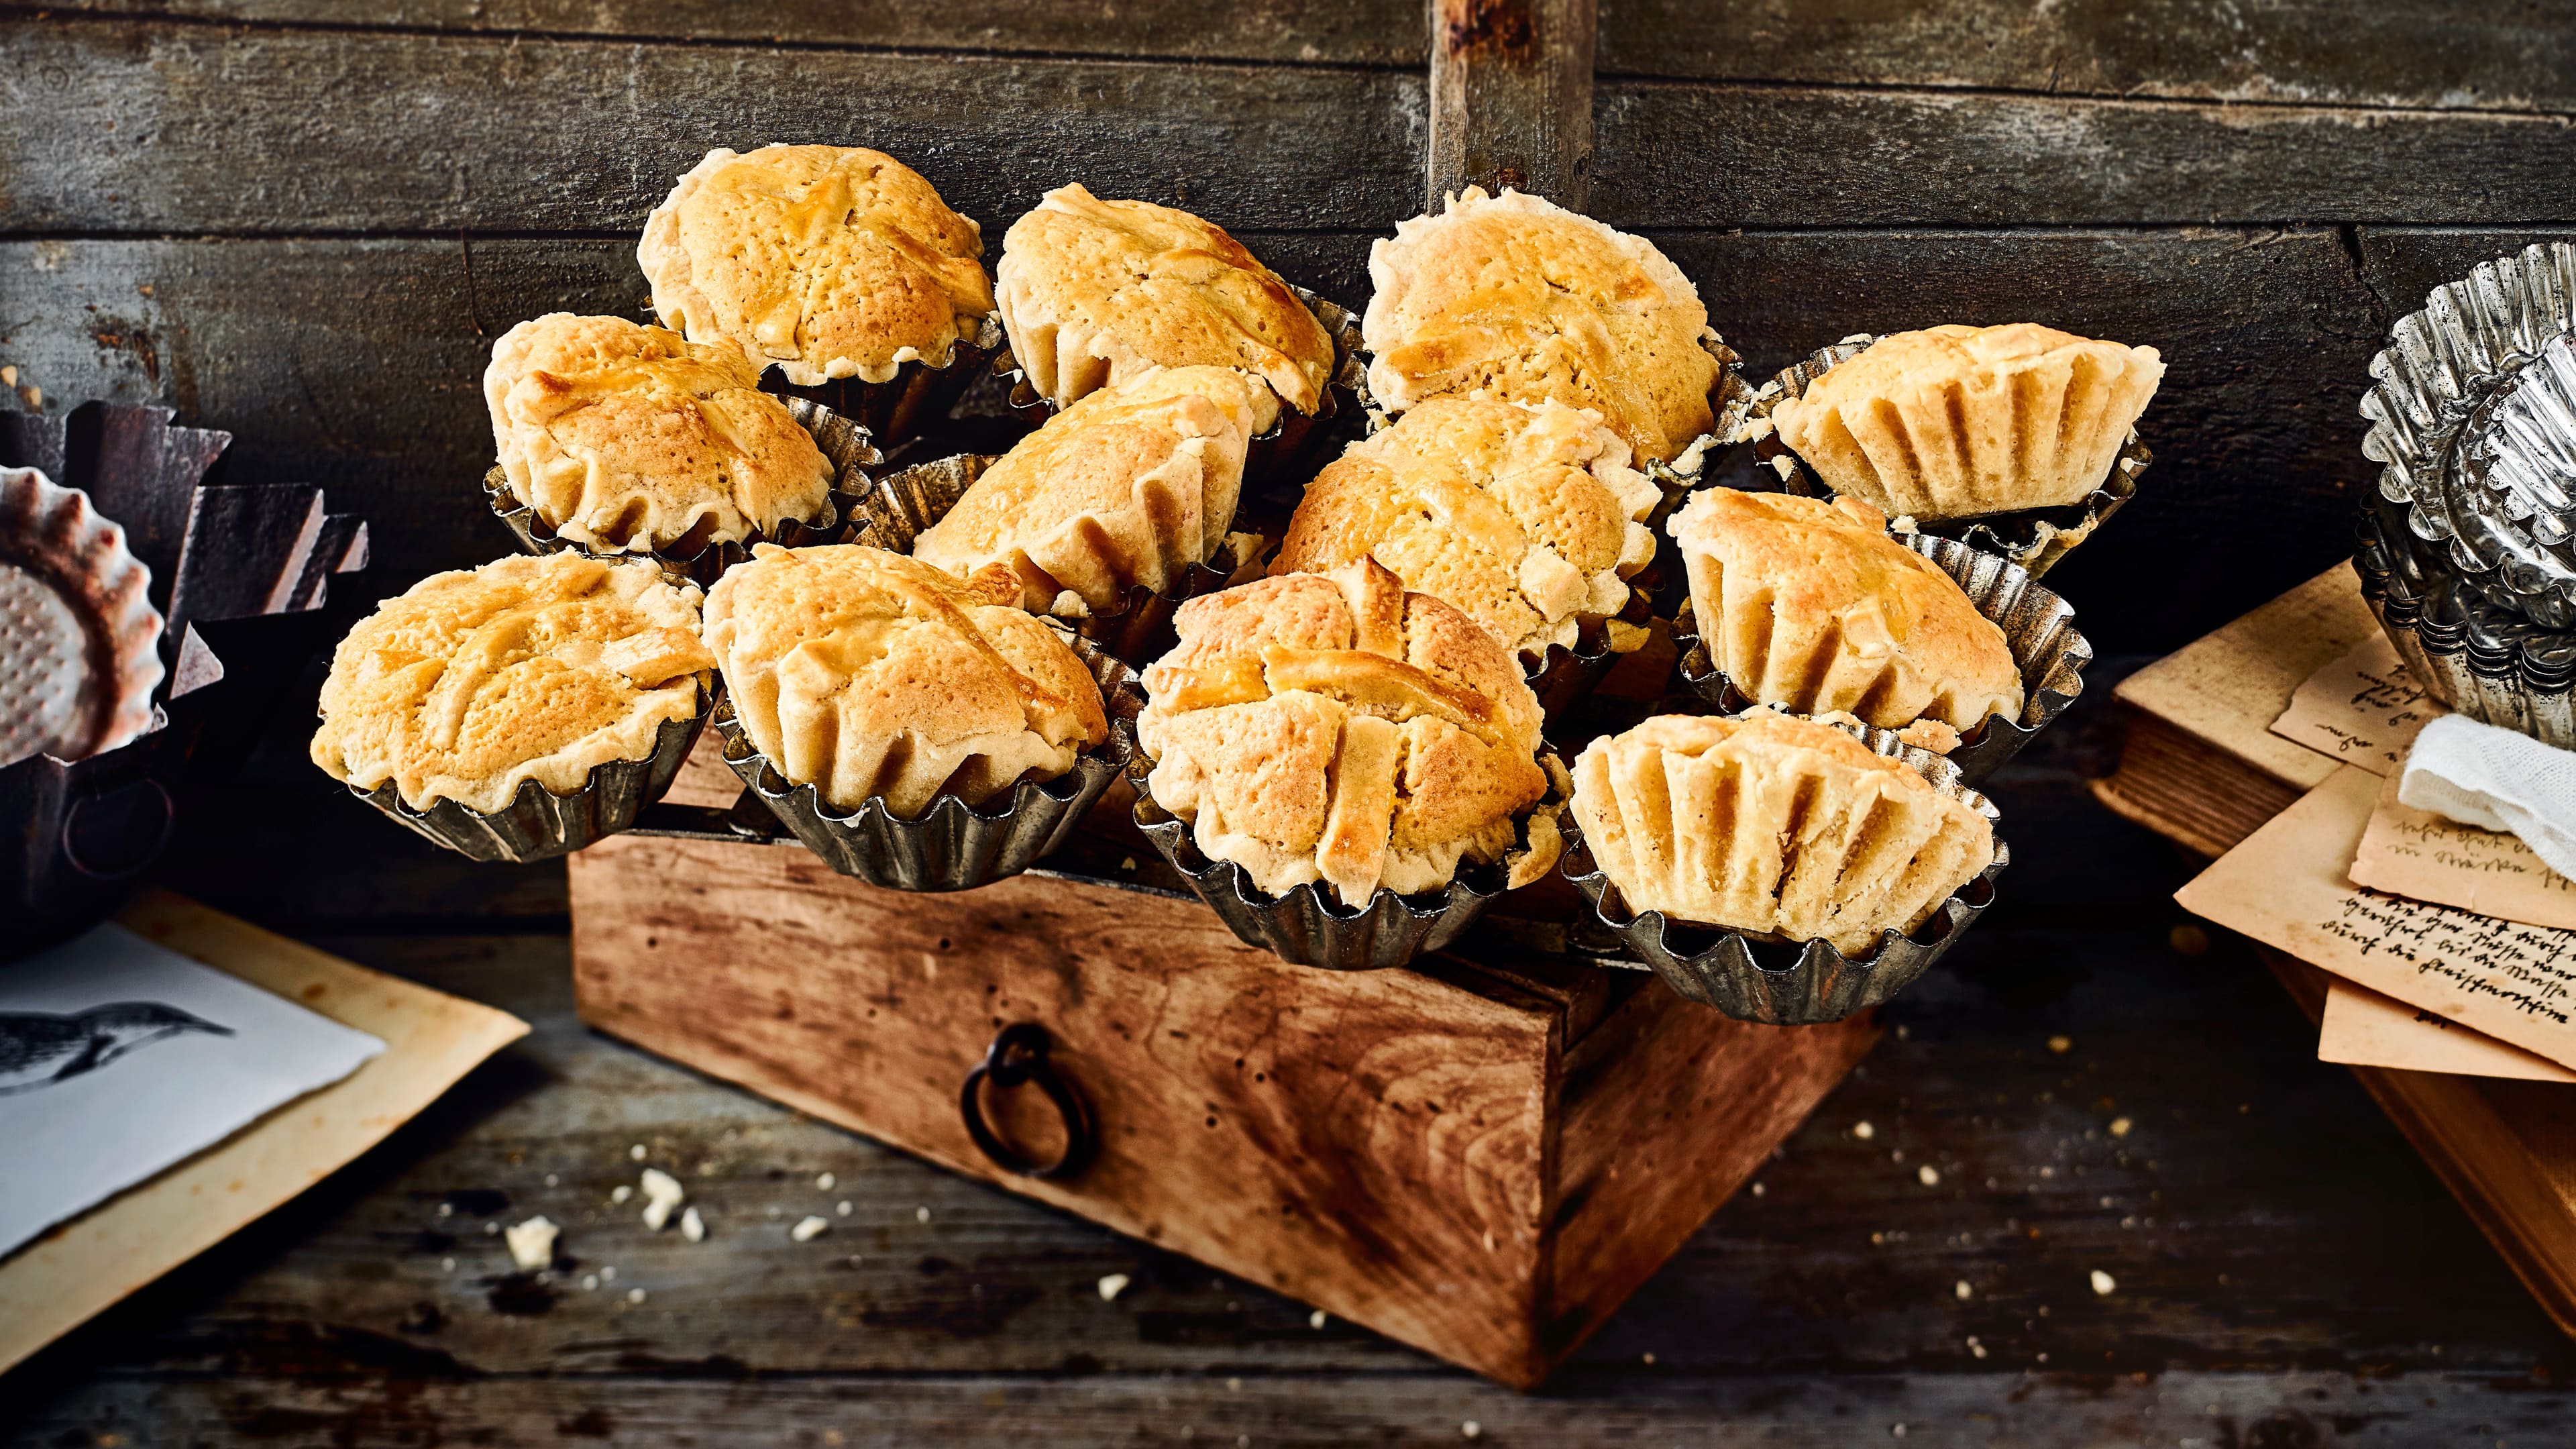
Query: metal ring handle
[
  {"x": 1018, "y": 1056},
  {"x": 163, "y": 826}
]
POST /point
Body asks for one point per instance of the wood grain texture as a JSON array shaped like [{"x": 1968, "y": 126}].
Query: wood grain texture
[
  {"x": 1511, "y": 98},
  {"x": 129, "y": 126},
  {"x": 1370, "y": 1142},
  {"x": 1390, "y": 1146},
  {"x": 1760, "y": 155},
  {"x": 2442, "y": 54},
  {"x": 1332, "y": 32}
]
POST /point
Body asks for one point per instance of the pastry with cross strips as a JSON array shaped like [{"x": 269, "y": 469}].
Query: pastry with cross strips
[
  {"x": 1811, "y": 606},
  {"x": 536, "y": 668},
  {"x": 1952, "y": 422},
  {"x": 1525, "y": 516},
  {"x": 862, "y": 673},
  {"x": 1522, "y": 299},
  {"x": 624, "y": 437},
  {"x": 1336, "y": 729},
  {"x": 1126, "y": 488},
  {"x": 1094, "y": 292},
  {"x": 825, "y": 261},
  {"x": 1773, "y": 825}
]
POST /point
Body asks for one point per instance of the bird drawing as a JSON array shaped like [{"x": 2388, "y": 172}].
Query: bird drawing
[{"x": 40, "y": 1049}]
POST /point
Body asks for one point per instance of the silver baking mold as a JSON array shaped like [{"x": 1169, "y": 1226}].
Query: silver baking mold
[
  {"x": 2034, "y": 538},
  {"x": 1309, "y": 926},
  {"x": 80, "y": 643},
  {"x": 2469, "y": 421},
  {"x": 539, "y": 825},
  {"x": 2038, "y": 626},
  {"x": 1761, "y": 978},
  {"x": 897, "y": 410},
  {"x": 898, "y": 507},
  {"x": 848, "y": 446},
  {"x": 1282, "y": 454},
  {"x": 2478, "y": 657},
  {"x": 952, "y": 846}
]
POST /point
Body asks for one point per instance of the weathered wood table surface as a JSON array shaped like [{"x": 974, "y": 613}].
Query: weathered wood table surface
[{"x": 305, "y": 222}]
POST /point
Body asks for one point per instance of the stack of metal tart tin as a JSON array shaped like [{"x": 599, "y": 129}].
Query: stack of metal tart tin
[{"x": 2467, "y": 547}]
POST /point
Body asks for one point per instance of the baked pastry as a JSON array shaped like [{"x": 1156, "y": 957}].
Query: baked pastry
[
  {"x": 625, "y": 437},
  {"x": 1775, "y": 826},
  {"x": 1336, "y": 728},
  {"x": 1525, "y": 300},
  {"x": 1126, "y": 488},
  {"x": 1093, "y": 292},
  {"x": 862, "y": 672},
  {"x": 539, "y": 668},
  {"x": 1525, "y": 516},
  {"x": 828, "y": 261},
  {"x": 1957, "y": 421},
  {"x": 1809, "y": 605}
]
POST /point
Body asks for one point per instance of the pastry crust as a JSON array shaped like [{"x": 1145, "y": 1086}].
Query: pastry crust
[
  {"x": 621, "y": 437},
  {"x": 1335, "y": 728},
  {"x": 537, "y": 669},
  {"x": 1127, "y": 487},
  {"x": 862, "y": 672},
  {"x": 1809, "y": 605},
  {"x": 1525, "y": 516},
  {"x": 827, "y": 261},
  {"x": 1094, "y": 292},
  {"x": 1955, "y": 421},
  {"x": 1773, "y": 825},
  {"x": 1528, "y": 301}
]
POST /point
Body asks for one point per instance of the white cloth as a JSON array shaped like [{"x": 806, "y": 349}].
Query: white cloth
[{"x": 2496, "y": 779}]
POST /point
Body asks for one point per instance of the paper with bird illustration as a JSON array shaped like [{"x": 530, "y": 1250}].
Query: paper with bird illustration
[{"x": 119, "y": 1057}]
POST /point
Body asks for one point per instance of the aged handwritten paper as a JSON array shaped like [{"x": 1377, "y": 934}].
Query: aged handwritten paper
[
  {"x": 2411, "y": 852},
  {"x": 2363, "y": 709},
  {"x": 2365, "y": 1029},
  {"x": 2285, "y": 886}
]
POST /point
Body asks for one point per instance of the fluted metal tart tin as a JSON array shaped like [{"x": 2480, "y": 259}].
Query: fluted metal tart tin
[
  {"x": 2478, "y": 657},
  {"x": 847, "y": 445},
  {"x": 898, "y": 409},
  {"x": 1307, "y": 926},
  {"x": 2038, "y": 626},
  {"x": 952, "y": 846},
  {"x": 897, "y": 508},
  {"x": 2034, "y": 538},
  {"x": 1760, "y": 978},
  {"x": 79, "y": 639},
  {"x": 2470, "y": 419},
  {"x": 539, "y": 825},
  {"x": 1297, "y": 440}
]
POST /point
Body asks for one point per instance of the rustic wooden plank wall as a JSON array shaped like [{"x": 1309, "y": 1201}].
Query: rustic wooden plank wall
[{"x": 304, "y": 220}]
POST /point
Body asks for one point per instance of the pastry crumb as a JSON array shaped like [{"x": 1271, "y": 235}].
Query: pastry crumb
[
  {"x": 1111, "y": 1286},
  {"x": 662, "y": 1194},
  {"x": 693, "y": 1227},
  {"x": 809, "y": 1228},
  {"x": 532, "y": 1243}
]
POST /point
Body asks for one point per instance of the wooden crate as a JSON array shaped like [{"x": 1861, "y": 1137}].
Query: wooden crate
[{"x": 1479, "y": 1157}]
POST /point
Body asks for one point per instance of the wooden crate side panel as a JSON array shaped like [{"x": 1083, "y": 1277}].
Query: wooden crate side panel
[
  {"x": 1370, "y": 1143},
  {"x": 1668, "y": 1108}
]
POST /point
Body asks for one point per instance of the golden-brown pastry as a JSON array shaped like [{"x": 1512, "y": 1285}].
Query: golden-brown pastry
[
  {"x": 862, "y": 672},
  {"x": 524, "y": 669},
  {"x": 828, "y": 261},
  {"x": 1956, "y": 421},
  {"x": 621, "y": 436},
  {"x": 1127, "y": 487},
  {"x": 1809, "y": 605},
  {"x": 1525, "y": 516},
  {"x": 1095, "y": 291},
  {"x": 1334, "y": 727},
  {"x": 1528, "y": 301},
  {"x": 1772, "y": 825}
]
